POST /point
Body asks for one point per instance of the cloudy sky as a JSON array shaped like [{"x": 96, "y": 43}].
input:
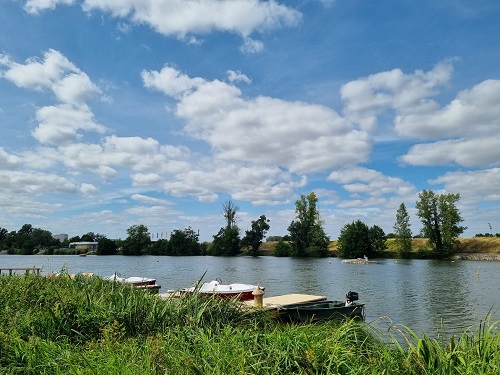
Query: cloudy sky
[{"x": 122, "y": 112}]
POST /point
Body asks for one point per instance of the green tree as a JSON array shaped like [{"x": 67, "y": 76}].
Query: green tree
[
  {"x": 377, "y": 239},
  {"x": 10, "y": 241},
  {"x": 273, "y": 238},
  {"x": 88, "y": 237},
  {"x": 26, "y": 229},
  {"x": 229, "y": 212},
  {"x": 306, "y": 232},
  {"x": 105, "y": 246},
  {"x": 43, "y": 238},
  {"x": 254, "y": 237},
  {"x": 282, "y": 249},
  {"x": 158, "y": 247},
  {"x": 441, "y": 220},
  {"x": 402, "y": 232},
  {"x": 357, "y": 240},
  {"x": 3, "y": 236},
  {"x": 354, "y": 240},
  {"x": 24, "y": 240},
  {"x": 184, "y": 242},
  {"x": 138, "y": 240},
  {"x": 227, "y": 241}
]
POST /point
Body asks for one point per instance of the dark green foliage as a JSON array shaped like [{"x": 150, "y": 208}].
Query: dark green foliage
[
  {"x": 105, "y": 246},
  {"x": 158, "y": 247},
  {"x": 183, "y": 242},
  {"x": 306, "y": 232},
  {"x": 441, "y": 220},
  {"x": 226, "y": 242},
  {"x": 138, "y": 240},
  {"x": 354, "y": 240},
  {"x": 75, "y": 239},
  {"x": 403, "y": 232},
  {"x": 282, "y": 249},
  {"x": 24, "y": 241},
  {"x": 27, "y": 240},
  {"x": 88, "y": 237},
  {"x": 273, "y": 238},
  {"x": 377, "y": 239},
  {"x": 253, "y": 238},
  {"x": 357, "y": 240},
  {"x": 3, "y": 234},
  {"x": 487, "y": 235},
  {"x": 204, "y": 246}
]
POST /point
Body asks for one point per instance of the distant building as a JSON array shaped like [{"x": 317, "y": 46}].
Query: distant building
[
  {"x": 87, "y": 246},
  {"x": 61, "y": 237}
]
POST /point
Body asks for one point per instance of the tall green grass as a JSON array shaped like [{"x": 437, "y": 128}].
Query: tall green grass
[{"x": 93, "y": 326}]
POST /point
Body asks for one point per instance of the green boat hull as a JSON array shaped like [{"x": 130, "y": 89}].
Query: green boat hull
[{"x": 322, "y": 311}]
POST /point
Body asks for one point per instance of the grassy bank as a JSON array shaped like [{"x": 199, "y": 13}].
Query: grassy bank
[
  {"x": 90, "y": 326},
  {"x": 476, "y": 245}
]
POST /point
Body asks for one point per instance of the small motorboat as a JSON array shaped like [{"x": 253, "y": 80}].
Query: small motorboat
[
  {"x": 359, "y": 261},
  {"x": 324, "y": 310},
  {"x": 139, "y": 282},
  {"x": 215, "y": 287}
]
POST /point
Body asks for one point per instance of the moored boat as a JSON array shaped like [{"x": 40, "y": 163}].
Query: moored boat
[
  {"x": 215, "y": 287},
  {"x": 359, "y": 261},
  {"x": 324, "y": 310},
  {"x": 137, "y": 281}
]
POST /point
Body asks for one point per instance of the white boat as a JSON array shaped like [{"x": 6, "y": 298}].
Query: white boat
[
  {"x": 215, "y": 287},
  {"x": 363, "y": 260},
  {"x": 139, "y": 282}
]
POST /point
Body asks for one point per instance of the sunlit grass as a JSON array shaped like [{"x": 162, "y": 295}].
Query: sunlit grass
[{"x": 92, "y": 326}]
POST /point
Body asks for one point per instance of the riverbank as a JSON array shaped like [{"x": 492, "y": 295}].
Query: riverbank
[
  {"x": 475, "y": 256},
  {"x": 92, "y": 326},
  {"x": 477, "y": 248}
]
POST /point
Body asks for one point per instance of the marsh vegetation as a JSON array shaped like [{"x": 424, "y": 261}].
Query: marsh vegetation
[{"x": 86, "y": 325}]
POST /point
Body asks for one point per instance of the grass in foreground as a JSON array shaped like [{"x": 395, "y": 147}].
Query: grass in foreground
[{"x": 93, "y": 326}]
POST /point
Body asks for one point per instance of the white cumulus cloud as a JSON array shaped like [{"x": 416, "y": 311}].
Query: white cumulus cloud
[
  {"x": 299, "y": 136},
  {"x": 180, "y": 18},
  {"x": 36, "y": 6}
]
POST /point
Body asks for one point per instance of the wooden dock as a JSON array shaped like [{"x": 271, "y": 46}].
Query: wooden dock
[
  {"x": 25, "y": 269},
  {"x": 269, "y": 303}
]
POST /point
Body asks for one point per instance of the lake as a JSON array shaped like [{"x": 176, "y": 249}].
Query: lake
[{"x": 421, "y": 294}]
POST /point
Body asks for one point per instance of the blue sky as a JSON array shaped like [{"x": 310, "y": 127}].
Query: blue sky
[{"x": 122, "y": 112}]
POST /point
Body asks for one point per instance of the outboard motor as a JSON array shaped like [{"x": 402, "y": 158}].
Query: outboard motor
[{"x": 351, "y": 297}]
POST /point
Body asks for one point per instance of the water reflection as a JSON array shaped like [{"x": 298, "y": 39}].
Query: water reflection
[
  {"x": 448, "y": 296},
  {"x": 417, "y": 293}
]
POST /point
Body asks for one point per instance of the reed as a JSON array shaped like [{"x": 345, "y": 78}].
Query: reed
[{"x": 93, "y": 326}]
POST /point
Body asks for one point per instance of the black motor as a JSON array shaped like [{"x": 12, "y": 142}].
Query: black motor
[{"x": 351, "y": 297}]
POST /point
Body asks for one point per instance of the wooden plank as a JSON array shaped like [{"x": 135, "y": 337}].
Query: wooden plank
[{"x": 272, "y": 303}]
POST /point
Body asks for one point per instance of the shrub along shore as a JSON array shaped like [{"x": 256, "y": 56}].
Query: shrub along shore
[
  {"x": 477, "y": 248},
  {"x": 86, "y": 325}
]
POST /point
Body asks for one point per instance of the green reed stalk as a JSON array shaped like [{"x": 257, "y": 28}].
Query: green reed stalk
[{"x": 93, "y": 326}]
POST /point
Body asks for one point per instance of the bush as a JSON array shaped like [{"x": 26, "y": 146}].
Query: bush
[{"x": 282, "y": 249}]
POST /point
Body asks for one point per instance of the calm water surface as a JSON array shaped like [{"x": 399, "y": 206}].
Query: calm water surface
[{"x": 421, "y": 294}]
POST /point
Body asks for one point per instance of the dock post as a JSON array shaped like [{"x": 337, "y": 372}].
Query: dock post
[{"x": 258, "y": 297}]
